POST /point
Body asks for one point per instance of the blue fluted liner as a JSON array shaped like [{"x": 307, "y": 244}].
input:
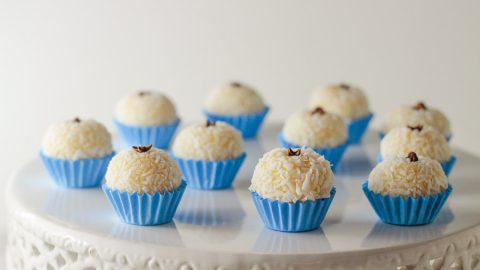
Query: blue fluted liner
[
  {"x": 332, "y": 154},
  {"x": 206, "y": 174},
  {"x": 446, "y": 166},
  {"x": 248, "y": 124},
  {"x": 159, "y": 136},
  {"x": 406, "y": 211},
  {"x": 81, "y": 173},
  {"x": 381, "y": 134},
  {"x": 292, "y": 217},
  {"x": 357, "y": 128},
  {"x": 145, "y": 209}
]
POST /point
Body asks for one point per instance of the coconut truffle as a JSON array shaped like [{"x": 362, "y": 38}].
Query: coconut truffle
[
  {"x": 315, "y": 128},
  {"x": 417, "y": 115},
  {"x": 77, "y": 139},
  {"x": 143, "y": 169},
  {"x": 347, "y": 101},
  {"x": 208, "y": 141},
  {"x": 292, "y": 175},
  {"x": 234, "y": 99},
  {"x": 425, "y": 141},
  {"x": 409, "y": 176},
  {"x": 145, "y": 108}
]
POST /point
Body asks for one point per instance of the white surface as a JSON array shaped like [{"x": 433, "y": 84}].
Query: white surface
[
  {"x": 60, "y": 59},
  {"x": 227, "y": 222}
]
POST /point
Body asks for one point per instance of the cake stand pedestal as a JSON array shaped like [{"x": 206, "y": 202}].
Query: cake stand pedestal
[{"x": 55, "y": 228}]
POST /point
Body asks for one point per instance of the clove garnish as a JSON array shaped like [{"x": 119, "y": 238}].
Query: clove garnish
[
  {"x": 344, "y": 86},
  {"x": 412, "y": 156},
  {"x": 141, "y": 148},
  {"x": 210, "y": 123},
  {"x": 413, "y": 128},
  {"x": 292, "y": 152},
  {"x": 77, "y": 120},
  {"x": 143, "y": 93},
  {"x": 420, "y": 106},
  {"x": 236, "y": 84},
  {"x": 318, "y": 110}
]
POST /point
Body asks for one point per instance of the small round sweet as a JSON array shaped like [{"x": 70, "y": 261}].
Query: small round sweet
[
  {"x": 77, "y": 139},
  {"x": 417, "y": 115},
  {"x": 145, "y": 108},
  {"x": 315, "y": 128},
  {"x": 425, "y": 141},
  {"x": 211, "y": 141},
  {"x": 410, "y": 176},
  {"x": 143, "y": 169},
  {"x": 234, "y": 99},
  {"x": 347, "y": 101},
  {"x": 291, "y": 175}
]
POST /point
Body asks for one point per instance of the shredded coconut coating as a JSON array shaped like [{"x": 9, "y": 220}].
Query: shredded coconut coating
[
  {"x": 407, "y": 115},
  {"x": 216, "y": 142},
  {"x": 428, "y": 142},
  {"x": 234, "y": 99},
  {"x": 350, "y": 104},
  {"x": 400, "y": 177},
  {"x": 148, "y": 172},
  {"x": 73, "y": 140},
  {"x": 145, "y": 108},
  {"x": 285, "y": 178},
  {"x": 315, "y": 130}
]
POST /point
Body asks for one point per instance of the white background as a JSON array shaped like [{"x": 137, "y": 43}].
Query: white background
[{"x": 60, "y": 59}]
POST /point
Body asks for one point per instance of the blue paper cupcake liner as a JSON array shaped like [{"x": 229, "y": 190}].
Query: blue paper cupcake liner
[
  {"x": 381, "y": 134},
  {"x": 292, "y": 217},
  {"x": 159, "y": 136},
  {"x": 248, "y": 124},
  {"x": 81, "y": 173},
  {"x": 205, "y": 174},
  {"x": 332, "y": 154},
  {"x": 446, "y": 166},
  {"x": 406, "y": 211},
  {"x": 357, "y": 128},
  {"x": 145, "y": 209}
]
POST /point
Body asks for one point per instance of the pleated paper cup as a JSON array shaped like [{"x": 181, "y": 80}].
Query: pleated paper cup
[
  {"x": 248, "y": 124},
  {"x": 292, "y": 217},
  {"x": 406, "y": 211},
  {"x": 159, "y": 136},
  {"x": 447, "y": 166},
  {"x": 206, "y": 174},
  {"x": 145, "y": 209},
  {"x": 357, "y": 128},
  {"x": 81, "y": 173},
  {"x": 332, "y": 154}
]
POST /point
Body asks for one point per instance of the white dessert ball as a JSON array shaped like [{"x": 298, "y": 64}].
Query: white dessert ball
[
  {"x": 143, "y": 169},
  {"x": 408, "y": 176},
  {"x": 145, "y": 108},
  {"x": 234, "y": 99},
  {"x": 208, "y": 141},
  {"x": 291, "y": 175},
  {"x": 77, "y": 139},
  {"x": 315, "y": 128},
  {"x": 425, "y": 141},
  {"x": 347, "y": 101},
  {"x": 417, "y": 115}
]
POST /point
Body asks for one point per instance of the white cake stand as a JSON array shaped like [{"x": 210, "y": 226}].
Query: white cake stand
[{"x": 55, "y": 228}]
